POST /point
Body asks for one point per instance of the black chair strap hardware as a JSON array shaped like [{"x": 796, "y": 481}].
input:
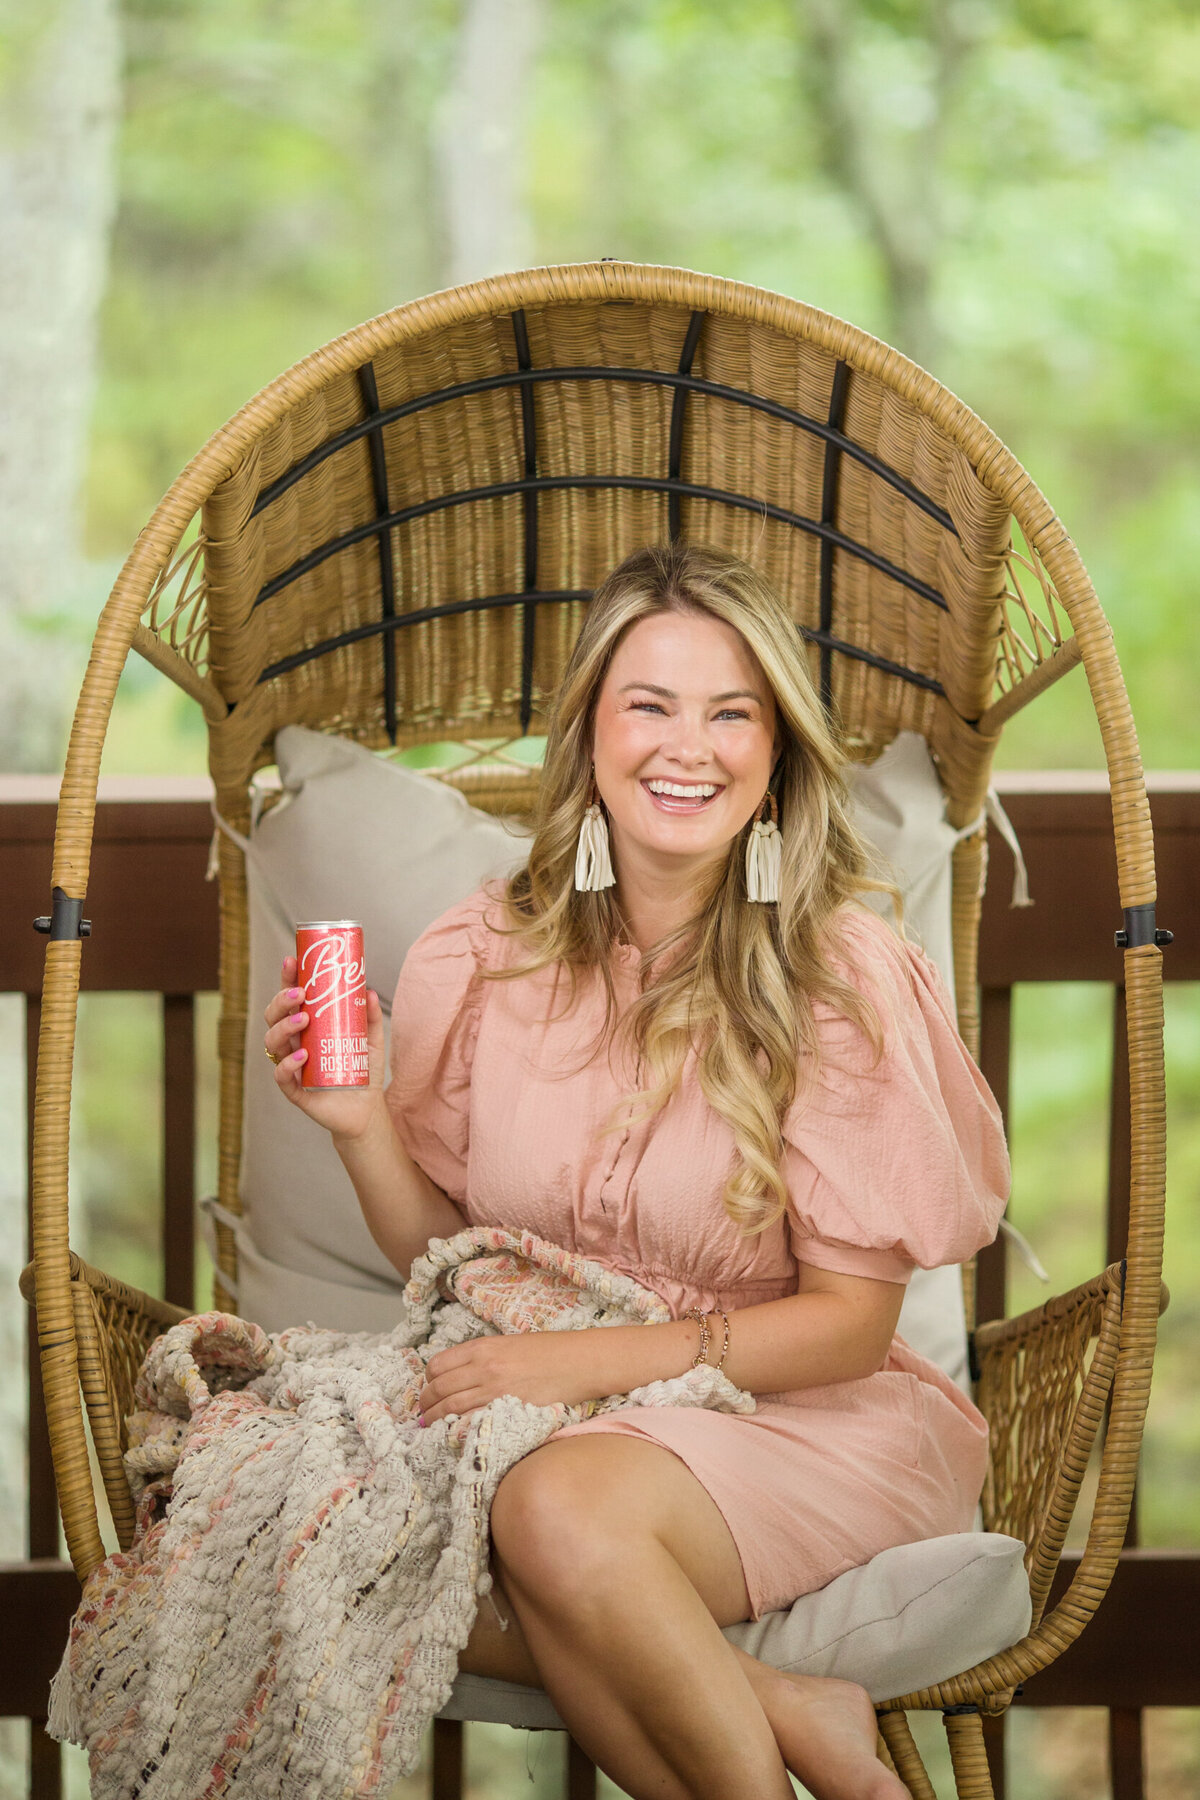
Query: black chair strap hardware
[
  {"x": 1140, "y": 929},
  {"x": 66, "y": 920}
]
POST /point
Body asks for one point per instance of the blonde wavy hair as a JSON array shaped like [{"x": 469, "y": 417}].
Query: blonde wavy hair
[{"x": 739, "y": 978}]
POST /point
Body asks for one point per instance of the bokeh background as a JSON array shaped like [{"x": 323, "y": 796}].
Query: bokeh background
[{"x": 195, "y": 193}]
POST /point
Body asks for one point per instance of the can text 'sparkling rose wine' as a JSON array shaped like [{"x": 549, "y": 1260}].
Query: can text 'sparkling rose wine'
[{"x": 331, "y": 969}]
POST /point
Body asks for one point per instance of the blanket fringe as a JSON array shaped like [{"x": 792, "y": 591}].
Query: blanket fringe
[
  {"x": 64, "y": 1722},
  {"x": 302, "y": 1475}
]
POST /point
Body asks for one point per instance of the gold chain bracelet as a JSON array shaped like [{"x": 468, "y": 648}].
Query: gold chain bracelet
[
  {"x": 701, "y": 1356},
  {"x": 720, "y": 1362}
]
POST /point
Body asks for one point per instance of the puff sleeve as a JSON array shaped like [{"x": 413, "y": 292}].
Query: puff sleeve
[
  {"x": 435, "y": 1021},
  {"x": 904, "y": 1163}
]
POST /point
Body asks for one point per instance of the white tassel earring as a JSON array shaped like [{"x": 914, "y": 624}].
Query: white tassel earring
[
  {"x": 764, "y": 854},
  {"x": 593, "y": 861}
]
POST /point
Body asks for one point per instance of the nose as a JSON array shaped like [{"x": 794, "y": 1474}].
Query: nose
[{"x": 688, "y": 743}]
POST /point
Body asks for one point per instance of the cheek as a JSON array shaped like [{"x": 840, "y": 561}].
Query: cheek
[
  {"x": 621, "y": 738},
  {"x": 751, "y": 757}
]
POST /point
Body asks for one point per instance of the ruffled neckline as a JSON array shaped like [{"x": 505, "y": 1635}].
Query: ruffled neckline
[{"x": 628, "y": 959}]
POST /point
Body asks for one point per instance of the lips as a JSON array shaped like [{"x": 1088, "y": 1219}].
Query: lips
[{"x": 682, "y": 797}]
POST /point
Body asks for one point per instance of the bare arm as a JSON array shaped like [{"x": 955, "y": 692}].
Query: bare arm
[
  {"x": 836, "y": 1328},
  {"x": 403, "y": 1208}
]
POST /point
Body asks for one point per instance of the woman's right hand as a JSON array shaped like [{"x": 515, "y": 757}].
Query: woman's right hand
[{"x": 345, "y": 1112}]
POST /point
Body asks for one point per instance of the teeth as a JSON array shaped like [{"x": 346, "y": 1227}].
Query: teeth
[{"x": 676, "y": 789}]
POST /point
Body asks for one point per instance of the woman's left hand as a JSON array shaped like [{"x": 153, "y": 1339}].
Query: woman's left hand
[{"x": 538, "y": 1367}]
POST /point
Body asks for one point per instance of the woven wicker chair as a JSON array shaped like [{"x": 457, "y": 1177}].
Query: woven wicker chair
[{"x": 396, "y": 541}]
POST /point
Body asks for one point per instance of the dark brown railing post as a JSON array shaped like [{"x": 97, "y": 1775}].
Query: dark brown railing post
[
  {"x": 994, "y": 1728},
  {"x": 581, "y": 1773},
  {"x": 995, "y": 1057},
  {"x": 179, "y": 1149},
  {"x": 991, "y": 1269},
  {"x": 448, "y": 1760}
]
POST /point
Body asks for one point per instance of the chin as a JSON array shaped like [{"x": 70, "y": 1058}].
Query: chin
[{"x": 689, "y": 844}]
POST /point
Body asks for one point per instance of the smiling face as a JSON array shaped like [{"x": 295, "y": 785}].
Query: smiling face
[{"x": 684, "y": 741}]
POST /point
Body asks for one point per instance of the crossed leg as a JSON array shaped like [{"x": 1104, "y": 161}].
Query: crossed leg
[{"x": 619, "y": 1570}]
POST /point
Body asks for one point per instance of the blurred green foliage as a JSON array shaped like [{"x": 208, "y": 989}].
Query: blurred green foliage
[{"x": 1046, "y": 179}]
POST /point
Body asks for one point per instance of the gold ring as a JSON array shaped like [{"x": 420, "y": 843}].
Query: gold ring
[{"x": 275, "y": 1059}]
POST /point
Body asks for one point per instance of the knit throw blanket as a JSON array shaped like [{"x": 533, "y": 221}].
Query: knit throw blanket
[{"x": 308, "y": 1560}]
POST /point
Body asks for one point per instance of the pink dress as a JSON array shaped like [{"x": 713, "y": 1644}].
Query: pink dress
[{"x": 888, "y": 1168}]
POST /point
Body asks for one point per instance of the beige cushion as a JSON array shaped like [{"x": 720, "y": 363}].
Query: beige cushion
[
  {"x": 899, "y": 807},
  {"x": 910, "y": 1617},
  {"x": 354, "y": 837}
]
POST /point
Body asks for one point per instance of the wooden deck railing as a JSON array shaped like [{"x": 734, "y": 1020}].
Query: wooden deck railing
[{"x": 155, "y": 930}]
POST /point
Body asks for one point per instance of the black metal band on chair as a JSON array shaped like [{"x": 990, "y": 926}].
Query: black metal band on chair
[
  {"x": 387, "y": 589},
  {"x": 829, "y": 487},
  {"x": 529, "y": 446},
  {"x": 678, "y": 406},
  {"x": 1140, "y": 929},
  {"x": 65, "y": 921},
  {"x": 656, "y": 377},
  {"x": 650, "y": 484},
  {"x": 359, "y": 633}
]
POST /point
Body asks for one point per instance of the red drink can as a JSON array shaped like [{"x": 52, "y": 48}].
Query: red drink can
[{"x": 331, "y": 969}]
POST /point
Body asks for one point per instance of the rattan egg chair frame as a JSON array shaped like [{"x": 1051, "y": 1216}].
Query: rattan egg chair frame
[{"x": 396, "y": 541}]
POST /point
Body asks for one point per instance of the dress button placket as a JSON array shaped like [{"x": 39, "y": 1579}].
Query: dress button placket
[{"x": 622, "y": 1144}]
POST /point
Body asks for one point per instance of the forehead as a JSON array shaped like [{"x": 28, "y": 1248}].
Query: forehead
[{"x": 685, "y": 652}]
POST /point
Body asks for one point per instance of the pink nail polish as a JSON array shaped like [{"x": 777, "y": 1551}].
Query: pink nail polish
[
  {"x": 301, "y": 1056},
  {"x": 296, "y": 1019},
  {"x": 295, "y": 993},
  {"x": 420, "y": 1419}
]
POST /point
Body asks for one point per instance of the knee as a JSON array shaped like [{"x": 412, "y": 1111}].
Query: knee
[{"x": 552, "y": 1528}]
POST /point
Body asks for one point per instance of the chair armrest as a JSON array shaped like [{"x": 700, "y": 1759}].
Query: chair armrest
[
  {"x": 1043, "y": 1382},
  {"x": 115, "y": 1324}
]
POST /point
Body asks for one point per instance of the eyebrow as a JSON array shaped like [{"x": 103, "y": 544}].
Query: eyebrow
[{"x": 649, "y": 687}]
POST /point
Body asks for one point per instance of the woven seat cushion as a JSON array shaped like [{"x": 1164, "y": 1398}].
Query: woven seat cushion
[
  {"x": 359, "y": 837},
  {"x": 910, "y": 1617}
]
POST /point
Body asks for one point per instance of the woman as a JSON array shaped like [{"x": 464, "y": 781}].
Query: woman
[{"x": 677, "y": 1042}]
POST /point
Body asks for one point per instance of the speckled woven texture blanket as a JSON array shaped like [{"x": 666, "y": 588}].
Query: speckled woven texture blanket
[{"x": 308, "y": 1560}]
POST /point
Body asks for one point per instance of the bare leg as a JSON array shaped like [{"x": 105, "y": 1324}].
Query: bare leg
[
  {"x": 626, "y": 1647},
  {"x": 618, "y": 1570},
  {"x": 802, "y": 1711},
  {"x": 492, "y": 1650}
]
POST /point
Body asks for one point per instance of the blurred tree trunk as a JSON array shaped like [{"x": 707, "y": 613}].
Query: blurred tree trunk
[
  {"x": 413, "y": 52},
  {"x": 480, "y": 140},
  {"x": 57, "y": 197},
  {"x": 899, "y": 193}
]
